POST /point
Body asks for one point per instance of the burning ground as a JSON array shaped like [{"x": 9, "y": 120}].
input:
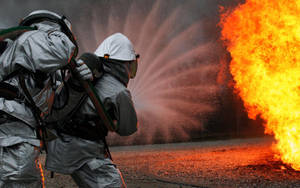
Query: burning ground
[{"x": 224, "y": 163}]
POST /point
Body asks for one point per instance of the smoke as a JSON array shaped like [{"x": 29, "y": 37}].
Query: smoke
[{"x": 178, "y": 84}]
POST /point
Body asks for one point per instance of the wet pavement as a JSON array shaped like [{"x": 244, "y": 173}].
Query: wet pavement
[{"x": 223, "y": 163}]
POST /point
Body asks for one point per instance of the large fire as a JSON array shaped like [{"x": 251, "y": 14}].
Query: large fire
[{"x": 263, "y": 38}]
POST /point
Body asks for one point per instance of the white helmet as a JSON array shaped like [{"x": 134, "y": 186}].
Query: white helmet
[{"x": 118, "y": 47}]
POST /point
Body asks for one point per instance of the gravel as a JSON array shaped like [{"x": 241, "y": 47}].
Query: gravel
[{"x": 223, "y": 163}]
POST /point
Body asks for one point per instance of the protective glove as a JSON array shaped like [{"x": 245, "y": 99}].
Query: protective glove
[
  {"x": 94, "y": 63},
  {"x": 82, "y": 71}
]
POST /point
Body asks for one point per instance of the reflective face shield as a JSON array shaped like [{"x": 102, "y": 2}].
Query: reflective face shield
[{"x": 134, "y": 66}]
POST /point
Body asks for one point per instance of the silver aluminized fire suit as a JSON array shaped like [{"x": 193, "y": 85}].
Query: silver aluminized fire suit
[
  {"x": 45, "y": 49},
  {"x": 83, "y": 159}
]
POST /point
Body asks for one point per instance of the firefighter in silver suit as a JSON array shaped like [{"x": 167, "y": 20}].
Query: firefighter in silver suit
[
  {"x": 27, "y": 66},
  {"x": 80, "y": 150}
]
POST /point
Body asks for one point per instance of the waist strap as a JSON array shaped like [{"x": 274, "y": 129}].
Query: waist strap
[{"x": 82, "y": 129}]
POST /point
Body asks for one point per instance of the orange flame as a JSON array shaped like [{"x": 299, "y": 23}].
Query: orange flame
[
  {"x": 39, "y": 166},
  {"x": 263, "y": 38}
]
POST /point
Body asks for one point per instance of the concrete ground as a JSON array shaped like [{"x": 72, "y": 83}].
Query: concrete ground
[{"x": 223, "y": 163}]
